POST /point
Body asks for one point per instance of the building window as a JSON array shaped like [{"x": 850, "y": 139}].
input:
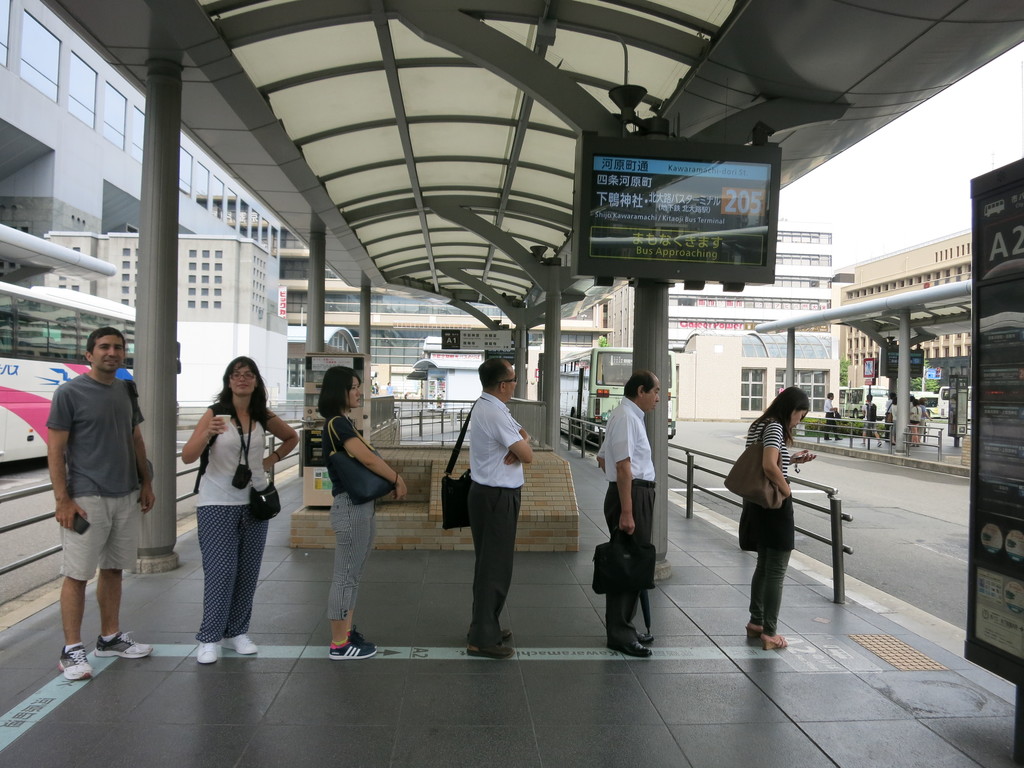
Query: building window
[
  {"x": 218, "y": 267},
  {"x": 126, "y": 289},
  {"x": 191, "y": 278},
  {"x": 40, "y": 57},
  {"x": 206, "y": 279},
  {"x": 192, "y": 266},
  {"x": 811, "y": 382},
  {"x": 204, "y": 305},
  {"x": 191, "y": 305},
  {"x": 115, "y": 111},
  {"x": 216, "y": 305},
  {"x": 82, "y": 91},
  {"x": 191, "y": 291},
  {"x": 5, "y": 30},
  {"x": 205, "y": 292},
  {"x": 202, "y": 185},
  {"x": 217, "y": 291},
  {"x": 752, "y": 389},
  {"x": 185, "y": 172},
  {"x": 138, "y": 133},
  {"x": 218, "y": 279},
  {"x": 205, "y": 267}
]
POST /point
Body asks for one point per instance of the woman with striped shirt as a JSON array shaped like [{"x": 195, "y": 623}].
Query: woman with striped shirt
[{"x": 771, "y": 532}]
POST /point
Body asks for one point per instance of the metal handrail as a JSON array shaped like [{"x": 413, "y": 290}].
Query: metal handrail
[
  {"x": 851, "y": 430},
  {"x": 834, "y": 510},
  {"x": 33, "y": 490}
]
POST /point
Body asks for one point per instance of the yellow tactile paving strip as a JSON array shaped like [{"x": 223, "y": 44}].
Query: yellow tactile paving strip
[{"x": 896, "y": 652}]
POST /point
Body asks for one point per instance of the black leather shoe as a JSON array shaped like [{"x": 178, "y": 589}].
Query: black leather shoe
[
  {"x": 631, "y": 649},
  {"x": 644, "y": 637}
]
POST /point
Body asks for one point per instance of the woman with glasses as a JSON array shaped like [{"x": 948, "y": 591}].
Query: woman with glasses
[
  {"x": 354, "y": 525},
  {"x": 230, "y": 438},
  {"x": 771, "y": 532}
]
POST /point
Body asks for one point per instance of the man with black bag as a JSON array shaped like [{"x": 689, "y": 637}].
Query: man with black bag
[
  {"x": 498, "y": 448},
  {"x": 626, "y": 460}
]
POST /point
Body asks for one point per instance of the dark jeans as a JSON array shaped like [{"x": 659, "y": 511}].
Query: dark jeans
[{"x": 766, "y": 588}]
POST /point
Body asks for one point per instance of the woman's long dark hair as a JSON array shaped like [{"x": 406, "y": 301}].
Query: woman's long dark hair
[
  {"x": 782, "y": 408},
  {"x": 258, "y": 401}
]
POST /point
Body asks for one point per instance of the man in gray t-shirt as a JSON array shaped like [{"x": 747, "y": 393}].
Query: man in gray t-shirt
[{"x": 100, "y": 477}]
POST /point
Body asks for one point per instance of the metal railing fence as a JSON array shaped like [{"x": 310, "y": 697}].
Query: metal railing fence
[
  {"x": 33, "y": 490},
  {"x": 721, "y": 467}
]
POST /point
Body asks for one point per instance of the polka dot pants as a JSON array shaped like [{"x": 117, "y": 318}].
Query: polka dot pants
[{"x": 231, "y": 541}]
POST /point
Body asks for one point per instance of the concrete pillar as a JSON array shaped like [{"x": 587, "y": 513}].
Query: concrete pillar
[
  {"x": 903, "y": 376},
  {"x": 365, "y": 303},
  {"x": 790, "y": 360},
  {"x": 157, "y": 309},
  {"x": 650, "y": 351},
  {"x": 315, "y": 289},
  {"x": 520, "y": 342},
  {"x": 551, "y": 375}
]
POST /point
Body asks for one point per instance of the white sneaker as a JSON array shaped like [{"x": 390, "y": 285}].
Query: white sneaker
[
  {"x": 74, "y": 664},
  {"x": 123, "y": 645},
  {"x": 242, "y": 644},
  {"x": 207, "y": 653}
]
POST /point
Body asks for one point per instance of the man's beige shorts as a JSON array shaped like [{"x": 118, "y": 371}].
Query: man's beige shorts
[{"x": 112, "y": 541}]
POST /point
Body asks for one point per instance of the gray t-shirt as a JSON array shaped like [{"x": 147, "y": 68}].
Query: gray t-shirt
[{"x": 100, "y": 420}]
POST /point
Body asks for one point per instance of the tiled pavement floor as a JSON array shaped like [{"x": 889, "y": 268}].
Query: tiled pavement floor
[{"x": 709, "y": 697}]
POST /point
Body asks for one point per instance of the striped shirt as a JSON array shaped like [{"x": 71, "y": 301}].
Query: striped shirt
[{"x": 770, "y": 434}]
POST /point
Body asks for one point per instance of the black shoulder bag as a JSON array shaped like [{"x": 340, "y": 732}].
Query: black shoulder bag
[{"x": 455, "y": 491}]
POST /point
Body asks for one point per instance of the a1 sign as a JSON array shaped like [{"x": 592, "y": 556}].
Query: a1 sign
[{"x": 455, "y": 338}]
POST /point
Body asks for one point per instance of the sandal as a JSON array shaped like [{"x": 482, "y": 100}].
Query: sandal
[
  {"x": 754, "y": 630},
  {"x": 773, "y": 642}
]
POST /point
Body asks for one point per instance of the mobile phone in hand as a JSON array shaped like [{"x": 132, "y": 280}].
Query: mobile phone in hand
[{"x": 81, "y": 525}]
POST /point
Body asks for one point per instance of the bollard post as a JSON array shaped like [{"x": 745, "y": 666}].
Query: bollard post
[
  {"x": 835, "y": 506},
  {"x": 689, "y": 485}
]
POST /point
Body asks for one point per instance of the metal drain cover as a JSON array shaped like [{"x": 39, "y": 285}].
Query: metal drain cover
[{"x": 897, "y": 653}]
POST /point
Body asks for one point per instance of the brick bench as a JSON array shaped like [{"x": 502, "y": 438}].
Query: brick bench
[{"x": 548, "y": 518}]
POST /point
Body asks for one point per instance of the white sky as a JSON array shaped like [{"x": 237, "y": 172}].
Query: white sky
[{"x": 910, "y": 182}]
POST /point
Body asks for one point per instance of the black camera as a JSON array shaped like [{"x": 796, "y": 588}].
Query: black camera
[{"x": 242, "y": 476}]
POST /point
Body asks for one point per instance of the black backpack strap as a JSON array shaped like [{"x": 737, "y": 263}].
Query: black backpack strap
[
  {"x": 204, "y": 458},
  {"x": 458, "y": 443}
]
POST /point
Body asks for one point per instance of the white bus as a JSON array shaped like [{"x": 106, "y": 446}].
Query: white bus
[
  {"x": 943, "y": 411},
  {"x": 593, "y": 380},
  {"x": 42, "y": 344}
]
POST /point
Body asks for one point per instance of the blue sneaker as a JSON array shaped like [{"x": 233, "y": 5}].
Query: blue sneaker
[{"x": 357, "y": 647}]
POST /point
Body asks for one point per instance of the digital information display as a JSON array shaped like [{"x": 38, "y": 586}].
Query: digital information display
[
  {"x": 676, "y": 210},
  {"x": 995, "y": 620}
]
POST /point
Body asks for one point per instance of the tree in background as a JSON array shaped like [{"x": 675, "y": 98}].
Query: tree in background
[{"x": 844, "y": 372}]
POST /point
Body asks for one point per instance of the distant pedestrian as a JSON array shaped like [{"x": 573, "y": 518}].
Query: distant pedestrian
[
  {"x": 914, "y": 420},
  {"x": 890, "y": 418},
  {"x": 871, "y": 423},
  {"x": 831, "y": 416},
  {"x": 771, "y": 532}
]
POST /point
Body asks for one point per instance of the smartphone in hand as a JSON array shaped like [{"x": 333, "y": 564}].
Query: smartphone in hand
[{"x": 81, "y": 525}]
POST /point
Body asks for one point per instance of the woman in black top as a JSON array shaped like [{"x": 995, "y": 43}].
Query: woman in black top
[
  {"x": 770, "y": 532},
  {"x": 353, "y": 524}
]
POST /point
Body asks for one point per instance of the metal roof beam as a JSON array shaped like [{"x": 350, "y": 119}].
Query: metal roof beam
[{"x": 500, "y": 54}]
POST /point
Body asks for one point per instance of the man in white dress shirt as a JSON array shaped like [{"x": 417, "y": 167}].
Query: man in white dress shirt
[
  {"x": 625, "y": 457},
  {"x": 498, "y": 448}
]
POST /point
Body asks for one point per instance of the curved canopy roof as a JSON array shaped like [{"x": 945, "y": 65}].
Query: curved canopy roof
[{"x": 435, "y": 139}]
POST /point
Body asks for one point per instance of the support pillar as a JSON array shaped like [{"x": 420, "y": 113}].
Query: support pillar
[
  {"x": 521, "y": 341},
  {"x": 315, "y": 289},
  {"x": 551, "y": 375},
  {"x": 903, "y": 379},
  {"x": 650, "y": 351},
  {"x": 157, "y": 309},
  {"x": 365, "y": 304},
  {"x": 790, "y": 360}
]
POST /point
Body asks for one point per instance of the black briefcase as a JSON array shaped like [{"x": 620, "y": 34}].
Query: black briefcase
[{"x": 623, "y": 564}]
